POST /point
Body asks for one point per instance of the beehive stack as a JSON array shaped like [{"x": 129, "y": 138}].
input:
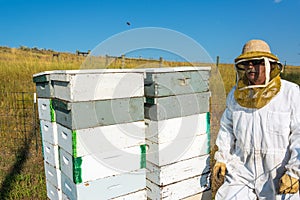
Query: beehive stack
[
  {"x": 92, "y": 125},
  {"x": 95, "y": 139},
  {"x": 177, "y": 132}
]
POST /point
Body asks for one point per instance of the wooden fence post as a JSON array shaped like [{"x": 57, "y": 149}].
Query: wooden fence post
[
  {"x": 217, "y": 62},
  {"x": 161, "y": 60},
  {"x": 123, "y": 61},
  {"x": 283, "y": 68},
  {"x": 106, "y": 60}
]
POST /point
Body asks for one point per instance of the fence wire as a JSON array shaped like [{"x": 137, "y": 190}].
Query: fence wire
[
  {"x": 20, "y": 155},
  {"x": 18, "y": 119}
]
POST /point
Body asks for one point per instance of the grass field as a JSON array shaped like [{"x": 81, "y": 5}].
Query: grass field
[{"x": 21, "y": 163}]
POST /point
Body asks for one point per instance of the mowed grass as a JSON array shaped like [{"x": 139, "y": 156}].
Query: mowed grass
[{"x": 21, "y": 163}]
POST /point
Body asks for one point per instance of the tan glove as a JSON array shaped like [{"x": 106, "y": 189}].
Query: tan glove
[
  {"x": 288, "y": 185},
  {"x": 219, "y": 174}
]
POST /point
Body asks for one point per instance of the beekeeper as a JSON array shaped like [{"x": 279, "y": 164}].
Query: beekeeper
[{"x": 259, "y": 138}]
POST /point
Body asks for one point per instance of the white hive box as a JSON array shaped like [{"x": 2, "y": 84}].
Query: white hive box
[
  {"x": 53, "y": 192},
  {"x": 44, "y": 88},
  {"x": 49, "y": 131},
  {"x": 178, "y": 190},
  {"x": 105, "y": 188},
  {"x": 139, "y": 195},
  {"x": 81, "y": 115},
  {"x": 170, "y": 152},
  {"x": 177, "y": 128},
  {"x": 179, "y": 171},
  {"x": 162, "y": 108},
  {"x": 53, "y": 175},
  {"x": 45, "y": 110},
  {"x": 174, "y": 81},
  {"x": 99, "y": 139},
  {"x": 51, "y": 154},
  {"x": 89, "y": 85},
  {"x": 105, "y": 164}
]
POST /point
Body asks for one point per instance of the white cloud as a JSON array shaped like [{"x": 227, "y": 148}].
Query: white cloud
[{"x": 277, "y": 1}]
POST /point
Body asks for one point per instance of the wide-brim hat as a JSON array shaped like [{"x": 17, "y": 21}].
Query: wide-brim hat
[{"x": 256, "y": 49}]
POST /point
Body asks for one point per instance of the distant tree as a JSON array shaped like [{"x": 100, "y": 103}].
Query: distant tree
[
  {"x": 24, "y": 48},
  {"x": 35, "y": 49}
]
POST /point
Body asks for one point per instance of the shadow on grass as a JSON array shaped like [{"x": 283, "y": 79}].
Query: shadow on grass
[{"x": 21, "y": 158}]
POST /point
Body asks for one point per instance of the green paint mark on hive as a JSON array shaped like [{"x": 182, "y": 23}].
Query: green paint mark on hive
[
  {"x": 52, "y": 112},
  {"x": 143, "y": 156},
  {"x": 77, "y": 171},
  {"x": 74, "y": 143},
  {"x": 208, "y": 131}
]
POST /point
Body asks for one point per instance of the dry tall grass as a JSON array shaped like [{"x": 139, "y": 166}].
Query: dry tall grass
[{"x": 17, "y": 67}]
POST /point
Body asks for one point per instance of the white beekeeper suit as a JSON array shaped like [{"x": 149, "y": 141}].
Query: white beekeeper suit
[{"x": 259, "y": 137}]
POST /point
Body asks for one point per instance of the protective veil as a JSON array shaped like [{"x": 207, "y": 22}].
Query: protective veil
[
  {"x": 256, "y": 96},
  {"x": 259, "y": 137}
]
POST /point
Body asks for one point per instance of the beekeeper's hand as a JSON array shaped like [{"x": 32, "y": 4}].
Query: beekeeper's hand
[
  {"x": 219, "y": 174},
  {"x": 288, "y": 185}
]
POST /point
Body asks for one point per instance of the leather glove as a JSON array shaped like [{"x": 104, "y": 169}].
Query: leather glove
[
  {"x": 288, "y": 185},
  {"x": 219, "y": 172}
]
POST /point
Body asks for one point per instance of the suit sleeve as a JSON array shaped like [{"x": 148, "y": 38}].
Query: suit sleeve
[
  {"x": 293, "y": 166},
  {"x": 225, "y": 139}
]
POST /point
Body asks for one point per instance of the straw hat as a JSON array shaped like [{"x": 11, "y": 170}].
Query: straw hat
[{"x": 255, "y": 49}]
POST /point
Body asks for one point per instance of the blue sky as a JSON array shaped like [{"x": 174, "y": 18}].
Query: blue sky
[{"x": 221, "y": 27}]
